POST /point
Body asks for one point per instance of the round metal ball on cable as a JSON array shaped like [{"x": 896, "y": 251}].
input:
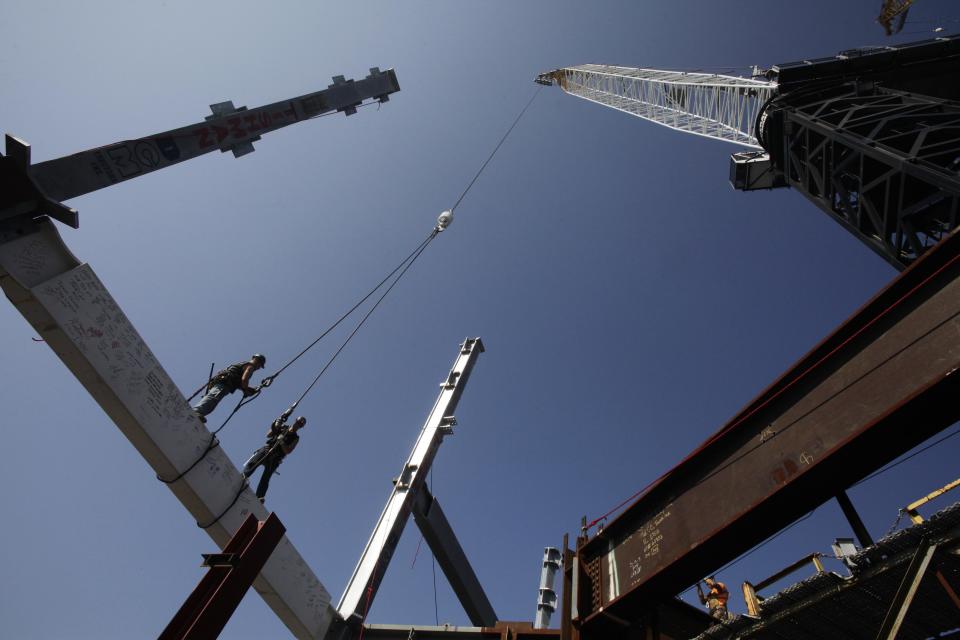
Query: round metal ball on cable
[{"x": 444, "y": 220}]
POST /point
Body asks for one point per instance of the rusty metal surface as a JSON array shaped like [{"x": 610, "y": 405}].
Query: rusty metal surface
[
  {"x": 500, "y": 631},
  {"x": 884, "y": 377},
  {"x": 209, "y": 607}
]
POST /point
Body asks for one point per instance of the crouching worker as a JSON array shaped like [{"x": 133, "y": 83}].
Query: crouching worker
[
  {"x": 281, "y": 440},
  {"x": 236, "y": 376}
]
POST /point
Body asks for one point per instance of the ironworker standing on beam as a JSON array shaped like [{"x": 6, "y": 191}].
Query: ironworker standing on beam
[
  {"x": 715, "y": 599},
  {"x": 281, "y": 440},
  {"x": 236, "y": 376}
]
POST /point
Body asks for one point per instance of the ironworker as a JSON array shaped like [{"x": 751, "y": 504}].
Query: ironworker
[
  {"x": 281, "y": 440},
  {"x": 715, "y": 599},
  {"x": 226, "y": 381}
]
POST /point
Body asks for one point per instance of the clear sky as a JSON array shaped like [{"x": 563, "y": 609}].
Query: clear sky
[{"x": 629, "y": 299}]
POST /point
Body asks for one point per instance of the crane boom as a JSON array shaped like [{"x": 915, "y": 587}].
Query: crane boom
[
  {"x": 710, "y": 105},
  {"x": 868, "y": 135}
]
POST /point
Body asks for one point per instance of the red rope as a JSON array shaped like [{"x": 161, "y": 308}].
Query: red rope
[
  {"x": 366, "y": 607},
  {"x": 773, "y": 397},
  {"x": 416, "y": 553}
]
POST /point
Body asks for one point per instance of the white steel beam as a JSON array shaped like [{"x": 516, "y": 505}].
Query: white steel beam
[
  {"x": 714, "y": 106},
  {"x": 366, "y": 578},
  {"x": 77, "y": 317}
]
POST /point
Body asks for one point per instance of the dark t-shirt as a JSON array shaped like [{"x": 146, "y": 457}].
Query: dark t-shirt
[
  {"x": 231, "y": 376},
  {"x": 290, "y": 439}
]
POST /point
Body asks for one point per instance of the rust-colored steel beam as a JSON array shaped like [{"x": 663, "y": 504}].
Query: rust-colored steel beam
[
  {"x": 500, "y": 631},
  {"x": 206, "y": 611},
  {"x": 882, "y": 383}
]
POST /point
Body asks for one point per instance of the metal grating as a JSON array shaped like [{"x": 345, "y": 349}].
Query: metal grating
[
  {"x": 829, "y": 606},
  {"x": 591, "y": 569}
]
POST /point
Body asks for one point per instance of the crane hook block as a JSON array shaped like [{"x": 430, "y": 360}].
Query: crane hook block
[{"x": 444, "y": 220}]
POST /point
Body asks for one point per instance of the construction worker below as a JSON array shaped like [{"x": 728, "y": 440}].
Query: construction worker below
[
  {"x": 715, "y": 599},
  {"x": 226, "y": 381},
  {"x": 281, "y": 440}
]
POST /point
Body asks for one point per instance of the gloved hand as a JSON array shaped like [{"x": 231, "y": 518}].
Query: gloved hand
[{"x": 248, "y": 392}]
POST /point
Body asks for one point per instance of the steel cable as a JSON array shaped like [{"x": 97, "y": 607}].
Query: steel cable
[
  {"x": 214, "y": 442},
  {"x": 497, "y": 148},
  {"x": 403, "y": 267}
]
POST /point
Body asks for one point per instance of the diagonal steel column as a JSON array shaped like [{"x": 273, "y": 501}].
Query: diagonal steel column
[
  {"x": 209, "y": 607},
  {"x": 366, "y": 578},
  {"x": 80, "y": 321},
  {"x": 449, "y": 554},
  {"x": 908, "y": 589}
]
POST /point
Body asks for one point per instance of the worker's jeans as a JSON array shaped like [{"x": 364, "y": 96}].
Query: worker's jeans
[
  {"x": 270, "y": 464},
  {"x": 209, "y": 402},
  {"x": 720, "y": 613}
]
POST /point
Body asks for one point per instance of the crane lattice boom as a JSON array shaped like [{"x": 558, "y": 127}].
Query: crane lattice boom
[{"x": 715, "y": 106}]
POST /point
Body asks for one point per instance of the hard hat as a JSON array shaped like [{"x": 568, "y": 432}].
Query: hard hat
[
  {"x": 301, "y": 420},
  {"x": 262, "y": 358}
]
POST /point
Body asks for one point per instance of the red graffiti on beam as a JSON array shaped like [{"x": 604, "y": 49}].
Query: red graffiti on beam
[
  {"x": 203, "y": 138},
  {"x": 236, "y": 128}
]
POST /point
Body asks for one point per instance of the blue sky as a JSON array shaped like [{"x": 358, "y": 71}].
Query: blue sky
[{"x": 629, "y": 299}]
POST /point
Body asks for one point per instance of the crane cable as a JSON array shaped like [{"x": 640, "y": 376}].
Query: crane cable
[
  {"x": 426, "y": 243},
  {"x": 244, "y": 484},
  {"x": 413, "y": 256},
  {"x": 268, "y": 380},
  {"x": 497, "y": 148},
  {"x": 408, "y": 261},
  {"x": 403, "y": 267},
  {"x": 246, "y": 400}
]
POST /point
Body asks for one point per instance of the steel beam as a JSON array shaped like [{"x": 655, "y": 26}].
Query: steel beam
[
  {"x": 500, "y": 631},
  {"x": 908, "y": 589},
  {"x": 883, "y": 382},
  {"x": 74, "y": 313},
  {"x": 856, "y": 523},
  {"x": 446, "y": 549},
  {"x": 362, "y": 587},
  {"x": 228, "y": 129},
  {"x": 208, "y": 608},
  {"x": 942, "y": 579},
  {"x": 566, "y": 602},
  {"x": 547, "y": 599}
]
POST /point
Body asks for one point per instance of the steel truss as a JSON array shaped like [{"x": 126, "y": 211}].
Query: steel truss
[
  {"x": 709, "y": 105},
  {"x": 883, "y": 163}
]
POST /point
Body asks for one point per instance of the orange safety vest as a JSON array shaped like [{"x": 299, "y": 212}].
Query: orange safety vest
[{"x": 718, "y": 595}]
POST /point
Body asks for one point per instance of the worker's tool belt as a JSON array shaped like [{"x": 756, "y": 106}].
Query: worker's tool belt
[{"x": 230, "y": 377}]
